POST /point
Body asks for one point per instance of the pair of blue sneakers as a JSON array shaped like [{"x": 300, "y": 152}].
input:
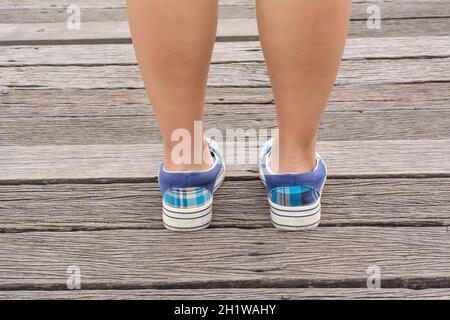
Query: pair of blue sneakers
[{"x": 294, "y": 199}]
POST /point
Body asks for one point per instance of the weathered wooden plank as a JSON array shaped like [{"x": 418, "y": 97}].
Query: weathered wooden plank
[
  {"x": 102, "y": 4},
  {"x": 155, "y": 259},
  {"x": 56, "y": 4},
  {"x": 87, "y": 4},
  {"x": 123, "y": 116},
  {"x": 52, "y": 15},
  {"x": 344, "y": 158},
  {"x": 20, "y": 15},
  {"x": 351, "y": 97},
  {"x": 233, "y": 294},
  {"x": 248, "y": 51},
  {"x": 136, "y": 124},
  {"x": 228, "y": 30},
  {"x": 49, "y": 11},
  {"x": 44, "y": 12},
  {"x": 224, "y": 74},
  {"x": 346, "y": 202}
]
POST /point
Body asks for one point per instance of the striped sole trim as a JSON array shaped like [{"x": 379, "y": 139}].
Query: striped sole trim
[
  {"x": 177, "y": 219},
  {"x": 295, "y": 218}
]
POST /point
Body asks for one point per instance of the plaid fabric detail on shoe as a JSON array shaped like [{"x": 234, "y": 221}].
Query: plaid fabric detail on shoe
[
  {"x": 293, "y": 196},
  {"x": 186, "y": 198}
]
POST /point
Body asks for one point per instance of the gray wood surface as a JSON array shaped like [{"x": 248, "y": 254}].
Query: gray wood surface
[
  {"x": 79, "y": 151},
  {"x": 352, "y": 97},
  {"x": 249, "y": 51},
  {"x": 408, "y": 258},
  {"x": 137, "y": 125},
  {"x": 224, "y": 294},
  {"x": 118, "y": 162},
  {"x": 55, "y": 11},
  {"x": 223, "y": 74},
  {"x": 433, "y": 7},
  {"x": 95, "y": 206},
  {"x": 103, "y": 4},
  {"x": 228, "y": 30},
  {"x": 118, "y": 120}
]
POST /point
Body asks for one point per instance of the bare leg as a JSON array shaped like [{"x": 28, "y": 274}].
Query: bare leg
[
  {"x": 303, "y": 41},
  {"x": 173, "y": 41}
]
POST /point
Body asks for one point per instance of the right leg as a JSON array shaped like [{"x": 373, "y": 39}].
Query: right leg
[
  {"x": 173, "y": 41},
  {"x": 303, "y": 41}
]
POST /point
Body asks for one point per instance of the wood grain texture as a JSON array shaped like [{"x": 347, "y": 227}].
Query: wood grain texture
[
  {"x": 233, "y": 294},
  {"x": 55, "y": 11},
  {"x": 246, "y": 51},
  {"x": 48, "y": 4},
  {"x": 79, "y": 154},
  {"x": 103, "y": 4},
  {"x": 346, "y": 202},
  {"x": 415, "y": 6},
  {"x": 110, "y": 162},
  {"x": 115, "y": 10},
  {"x": 227, "y": 258},
  {"x": 124, "y": 116},
  {"x": 28, "y": 22},
  {"x": 352, "y": 97},
  {"x": 223, "y": 75},
  {"x": 228, "y": 30},
  {"x": 136, "y": 124}
]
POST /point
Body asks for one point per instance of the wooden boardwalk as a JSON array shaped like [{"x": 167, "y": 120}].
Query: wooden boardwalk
[{"x": 78, "y": 164}]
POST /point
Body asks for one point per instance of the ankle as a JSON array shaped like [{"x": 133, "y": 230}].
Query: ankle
[
  {"x": 293, "y": 165},
  {"x": 298, "y": 159},
  {"x": 189, "y": 163}
]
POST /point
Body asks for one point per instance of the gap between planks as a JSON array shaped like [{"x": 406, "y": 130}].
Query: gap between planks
[
  {"x": 17, "y": 103},
  {"x": 228, "y": 30},
  {"x": 237, "y": 74},
  {"x": 123, "y": 54}
]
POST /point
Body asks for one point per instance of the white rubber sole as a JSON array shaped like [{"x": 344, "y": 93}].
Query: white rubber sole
[
  {"x": 295, "y": 218},
  {"x": 187, "y": 220}
]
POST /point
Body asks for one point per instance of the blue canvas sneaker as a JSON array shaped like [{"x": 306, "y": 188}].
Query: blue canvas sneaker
[
  {"x": 294, "y": 198},
  {"x": 188, "y": 196}
]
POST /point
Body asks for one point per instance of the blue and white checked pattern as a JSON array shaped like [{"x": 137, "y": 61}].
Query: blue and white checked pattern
[
  {"x": 186, "y": 198},
  {"x": 293, "y": 196}
]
